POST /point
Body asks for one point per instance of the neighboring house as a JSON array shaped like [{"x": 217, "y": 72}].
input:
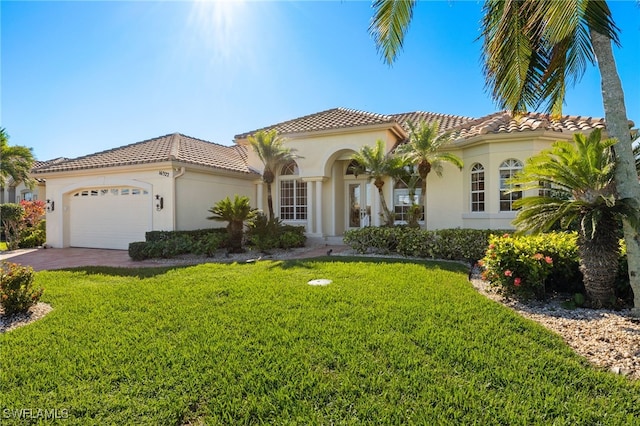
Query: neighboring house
[
  {"x": 111, "y": 198},
  {"x": 15, "y": 192}
]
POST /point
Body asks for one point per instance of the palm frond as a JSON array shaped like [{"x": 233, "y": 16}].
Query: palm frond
[
  {"x": 389, "y": 26},
  {"x": 533, "y": 48}
]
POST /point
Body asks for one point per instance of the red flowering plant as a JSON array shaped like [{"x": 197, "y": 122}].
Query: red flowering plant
[{"x": 520, "y": 265}]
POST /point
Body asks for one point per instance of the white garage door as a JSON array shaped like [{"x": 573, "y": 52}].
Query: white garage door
[{"x": 109, "y": 217}]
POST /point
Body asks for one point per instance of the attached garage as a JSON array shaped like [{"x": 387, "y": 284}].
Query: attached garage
[
  {"x": 109, "y": 217},
  {"x": 113, "y": 198}
]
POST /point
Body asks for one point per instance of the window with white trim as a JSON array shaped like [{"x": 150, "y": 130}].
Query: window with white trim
[
  {"x": 477, "y": 188},
  {"x": 508, "y": 169},
  {"x": 293, "y": 193},
  {"x": 402, "y": 201}
]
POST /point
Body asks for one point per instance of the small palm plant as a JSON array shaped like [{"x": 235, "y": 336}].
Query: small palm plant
[
  {"x": 576, "y": 184},
  {"x": 377, "y": 164},
  {"x": 235, "y": 212},
  {"x": 273, "y": 153},
  {"x": 424, "y": 150}
]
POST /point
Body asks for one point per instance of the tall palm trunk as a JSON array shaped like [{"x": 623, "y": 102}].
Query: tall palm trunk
[
  {"x": 383, "y": 202},
  {"x": 424, "y": 168},
  {"x": 270, "y": 201},
  {"x": 599, "y": 261},
  {"x": 626, "y": 174},
  {"x": 268, "y": 177},
  {"x": 235, "y": 230}
]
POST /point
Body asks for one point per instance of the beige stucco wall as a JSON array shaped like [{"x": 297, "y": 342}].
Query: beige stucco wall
[{"x": 197, "y": 192}]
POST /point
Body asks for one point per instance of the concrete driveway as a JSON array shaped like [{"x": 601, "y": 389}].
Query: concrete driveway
[{"x": 60, "y": 258}]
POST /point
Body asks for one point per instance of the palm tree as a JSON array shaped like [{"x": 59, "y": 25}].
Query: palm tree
[
  {"x": 531, "y": 48},
  {"x": 377, "y": 164},
  {"x": 15, "y": 162},
  {"x": 273, "y": 154},
  {"x": 582, "y": 191},
  {"x": 235, "y": 212},
  {"x": 423, "y": 149}
]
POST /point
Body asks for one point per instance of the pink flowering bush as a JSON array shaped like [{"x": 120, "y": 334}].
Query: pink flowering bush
[{"x": 523, "y": 266}]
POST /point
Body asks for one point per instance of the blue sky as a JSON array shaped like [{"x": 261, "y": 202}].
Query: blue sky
[{"x": 79, "y": 77}]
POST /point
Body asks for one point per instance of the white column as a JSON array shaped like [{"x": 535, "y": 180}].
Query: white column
[
  {"x": 259, "y": 195},
  {"x": 310, "y": 215},
  {"x": 318, "y": 206}
]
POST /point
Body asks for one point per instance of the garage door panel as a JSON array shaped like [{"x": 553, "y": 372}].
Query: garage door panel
[{"x": 107, "y": 219}]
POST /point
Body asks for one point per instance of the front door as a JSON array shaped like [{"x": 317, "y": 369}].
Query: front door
[{"x": 358, "y": 204}]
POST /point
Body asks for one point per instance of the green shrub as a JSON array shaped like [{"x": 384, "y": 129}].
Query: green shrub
[
  {"x": 11, "y": 216},
  {"x": 266, "y": 234},
  {"x": 17, "y": 293},
  {"x": 209, "y": 243},
  {"x": 372, "y": 239},
  {"x": 33, "y": 236},
  {"x": 415, "y": 242},
  {"x": 168, "y": 244},
  {"x": 522, "y": 265},
  {"x": 462, "y": 244},
  {"x": 291, "y": 239},
  {"x": 138, "y": 250},
  {"x": 453, "y": 244}
]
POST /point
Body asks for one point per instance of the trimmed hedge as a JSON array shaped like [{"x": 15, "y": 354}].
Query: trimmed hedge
[
  {"x": 167, "y": 244},
  {"x": 467, "y": 245}
]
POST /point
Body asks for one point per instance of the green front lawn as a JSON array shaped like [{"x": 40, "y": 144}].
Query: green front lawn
[{"x": 387, "y": 342}]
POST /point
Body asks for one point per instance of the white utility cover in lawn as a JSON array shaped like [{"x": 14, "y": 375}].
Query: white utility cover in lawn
[
  {"x": 320, "y": 281},
  {"x": 109, "y": 218}
]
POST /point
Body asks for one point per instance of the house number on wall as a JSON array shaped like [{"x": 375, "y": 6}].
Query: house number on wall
[{"x": 163, "y": 173}]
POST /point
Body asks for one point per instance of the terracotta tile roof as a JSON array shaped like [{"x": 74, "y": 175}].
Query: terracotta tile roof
[
  {"x": 336, "y": 118},
  {"x": 38, "y": 164},
  {"x": 173, "y": 147},
  {"x": 506, "y": 122},
  {"x": 445, "y": 121}
]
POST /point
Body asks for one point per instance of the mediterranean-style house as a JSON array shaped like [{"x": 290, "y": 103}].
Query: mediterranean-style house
[{"x": 111, "y": 198}]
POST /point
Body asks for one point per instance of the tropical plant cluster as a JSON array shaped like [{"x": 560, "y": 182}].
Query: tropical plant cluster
[
  {"x": 411, "y": 163},
  {"x": 17, "y": 292},
  {"x": 467, "y": 245},
  {"x": 576, "y": 190},
  {"x": 23, "y": 224},
  {"x": 535, "y": 266}
]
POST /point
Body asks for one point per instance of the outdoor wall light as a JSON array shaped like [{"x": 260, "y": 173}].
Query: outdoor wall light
[
  {"x": 159, "y": 203},
  {"x": 50, "y": 206}
]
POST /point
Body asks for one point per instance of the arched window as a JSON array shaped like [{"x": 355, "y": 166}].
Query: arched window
[
  {"x": 508, "y": 169},
  {"x": 293, "y": 193},
  {"x": 477, "y": 188}
]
